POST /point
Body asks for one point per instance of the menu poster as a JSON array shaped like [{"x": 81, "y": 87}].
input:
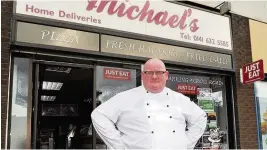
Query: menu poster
[
  {"x": 204, "y": 93},
  {"x": 206, "y": 105}
]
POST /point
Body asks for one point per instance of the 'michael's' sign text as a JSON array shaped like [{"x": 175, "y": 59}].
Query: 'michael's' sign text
[{"x": 144, "y": 13}]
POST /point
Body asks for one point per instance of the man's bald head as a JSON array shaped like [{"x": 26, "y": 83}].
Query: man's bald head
[
  {"x": 154, "y": 63},
  {"x": 154, "y": 75}
]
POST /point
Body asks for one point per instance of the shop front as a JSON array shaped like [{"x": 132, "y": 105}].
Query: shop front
[
  {"x": 258, "y": 33},
  {"x": 66, "y": 62}
]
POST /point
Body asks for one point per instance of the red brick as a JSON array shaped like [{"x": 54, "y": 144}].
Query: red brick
[
  {"x": 5, "y": 65},
  {"x": 4, "y": 60},
  {"x": 6, "y": 11},
  {"x": 5, "y": 39},
  {"x": 3, "y": 98},
  {"x": 5, "y": 33},
  {"x": 247, "y": 135}
]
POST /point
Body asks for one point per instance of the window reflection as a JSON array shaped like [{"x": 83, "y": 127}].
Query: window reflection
[{"x": 20, "y": 104}]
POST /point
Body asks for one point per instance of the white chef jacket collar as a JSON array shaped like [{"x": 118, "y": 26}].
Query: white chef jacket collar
[{"x": 163, "y": 92}]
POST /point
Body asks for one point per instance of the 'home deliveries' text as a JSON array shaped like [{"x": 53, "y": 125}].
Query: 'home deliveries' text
[{"x": 62, "y": 14}]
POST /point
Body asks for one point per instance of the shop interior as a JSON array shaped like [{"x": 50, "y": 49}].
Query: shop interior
[{"x": 65, "y": 103}]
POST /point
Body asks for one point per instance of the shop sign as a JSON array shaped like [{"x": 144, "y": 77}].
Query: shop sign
[
  {"x": 187, "y": 89},
  {"x": 53, "y": 36},
  {"x": 206, "y": 105},
  {"x": 117, "y": 74},
  {"x": 117, "y": 45},
  {"x": 197, "y": 80},
  {"x": 153, "y": 18},
  {"x": 252, "y": 72},
  {"x": 204, "y": 93}
]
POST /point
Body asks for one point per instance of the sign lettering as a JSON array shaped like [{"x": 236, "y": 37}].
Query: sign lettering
[
  {"x": 53, "y": 36},
  {"x": 59, "y": 36},
  {"x": 144, "y": 17},
  {"x": 187, "y": 89},
  {"x": 117, "y": 74},
  {"x": 252, "y": 72},
  {"x": 117, "y": 45},
  {"x": 145, "y": 14}
]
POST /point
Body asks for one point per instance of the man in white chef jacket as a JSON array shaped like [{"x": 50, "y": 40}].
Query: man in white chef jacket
[{"x": 150, "y": 116}]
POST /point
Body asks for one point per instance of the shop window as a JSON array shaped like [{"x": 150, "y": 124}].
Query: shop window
[
  {"x": 20, "y": 123},
  {"x": 109, "y": 82},
  {"x": 209, "y": 93},
  {"x": 261, "y": 107}
]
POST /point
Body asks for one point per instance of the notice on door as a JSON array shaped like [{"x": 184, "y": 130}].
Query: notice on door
[
  {"x": 206, "y": 105},
  {"x": 252, "y": 72},
  {"x": 187, "y": 89},
  {"x": 117, "y": 74}
]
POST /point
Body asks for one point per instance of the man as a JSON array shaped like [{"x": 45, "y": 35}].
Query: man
[{"x": 151, "y": 116}]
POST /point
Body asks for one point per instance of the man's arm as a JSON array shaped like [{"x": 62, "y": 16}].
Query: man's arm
[
  {"x": 104, "y": 119},
  {"x": 196, "y": 123}
]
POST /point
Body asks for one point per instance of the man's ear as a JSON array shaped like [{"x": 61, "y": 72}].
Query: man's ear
[
  {"x": 142, "y": 75},
  {"x": 167, "y": 75}
]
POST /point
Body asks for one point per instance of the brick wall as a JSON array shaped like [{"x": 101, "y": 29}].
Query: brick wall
[
  {"x": 245, "y": 106},
  {"x": 6, "y": 14}
]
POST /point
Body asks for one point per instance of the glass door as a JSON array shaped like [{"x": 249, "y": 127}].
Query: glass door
[
  {"x": 112, "y": 80},
  {"x": 63, "y": 105}
]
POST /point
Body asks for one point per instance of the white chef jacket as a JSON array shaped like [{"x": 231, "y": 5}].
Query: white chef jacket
[{"x": 137, "y": 119}]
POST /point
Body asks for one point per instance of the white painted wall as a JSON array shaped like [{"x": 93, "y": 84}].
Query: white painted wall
[{"x": 252, "y": 9}]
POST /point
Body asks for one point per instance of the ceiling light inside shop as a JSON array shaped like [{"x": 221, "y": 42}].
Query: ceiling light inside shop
[
  {"x": 52, "y": 85},
  {"x": 48, "y": 98},
  {"x": 58, "y": 69}
]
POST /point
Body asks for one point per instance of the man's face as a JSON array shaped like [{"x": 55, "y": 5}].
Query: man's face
[{"x": 154, "y": 78}]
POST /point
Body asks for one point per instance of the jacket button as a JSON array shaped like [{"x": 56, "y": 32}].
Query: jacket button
[
  {"x": 167, "y": 93},
  {"x": 173, "y": 131},
  {"x": 147, "y": 104},
  {"x": 148, "y": 116},
  {"x": 167, "y": 105},
  {"x": 152, "y": 132},
  {"x": 170, "y": 116}
]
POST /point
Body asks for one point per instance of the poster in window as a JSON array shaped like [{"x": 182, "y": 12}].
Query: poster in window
[
  {"x": 204, "y": 93},
  {"x": 206, "y": 105}
]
